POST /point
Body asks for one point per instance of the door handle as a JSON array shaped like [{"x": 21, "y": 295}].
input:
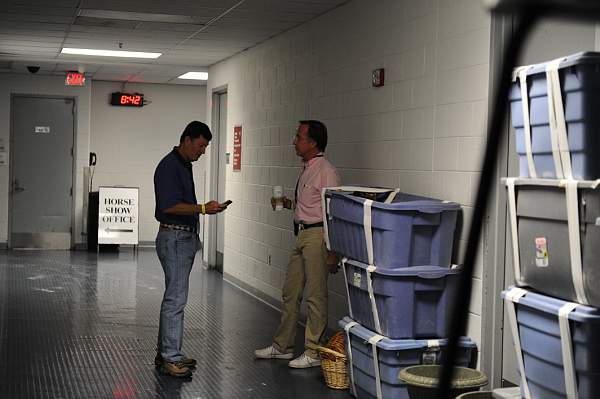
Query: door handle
[{"x": 16, "y": 188}]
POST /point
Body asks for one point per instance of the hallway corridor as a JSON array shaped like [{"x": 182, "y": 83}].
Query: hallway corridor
[{"x": 81, "y": 325}]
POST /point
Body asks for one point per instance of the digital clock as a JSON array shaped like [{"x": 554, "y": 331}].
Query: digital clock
[{"x": 127, "y": 100}]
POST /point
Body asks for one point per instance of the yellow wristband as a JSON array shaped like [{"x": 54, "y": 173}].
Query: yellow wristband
[{"x": 203, "y": 209}]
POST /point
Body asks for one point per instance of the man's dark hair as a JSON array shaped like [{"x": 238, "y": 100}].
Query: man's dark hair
[
  {"x": 194, "y": 130},
  {"x": 317, "y": 131}
]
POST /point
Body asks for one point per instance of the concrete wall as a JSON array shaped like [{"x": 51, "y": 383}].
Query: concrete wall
[{"x": 423, "y": 131}]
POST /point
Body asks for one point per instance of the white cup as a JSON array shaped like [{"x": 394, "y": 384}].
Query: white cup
[{"x": 278, "y": 195}]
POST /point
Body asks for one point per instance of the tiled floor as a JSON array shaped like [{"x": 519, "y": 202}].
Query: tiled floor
[{"x": 79, "y": 325}]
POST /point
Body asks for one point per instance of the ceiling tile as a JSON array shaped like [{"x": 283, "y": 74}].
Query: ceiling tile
[{"x": 33, "y": 31}]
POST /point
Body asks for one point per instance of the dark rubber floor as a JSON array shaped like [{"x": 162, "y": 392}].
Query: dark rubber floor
[{"x": 81, "y": 325}]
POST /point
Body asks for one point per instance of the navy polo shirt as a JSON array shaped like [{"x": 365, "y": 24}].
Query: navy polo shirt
[{"x": 173, "y": 184}]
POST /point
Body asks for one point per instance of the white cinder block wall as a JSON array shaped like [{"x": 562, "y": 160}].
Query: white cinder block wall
[
  {"x": 423, "y": 131},
  {"x": 129, "y": 142}
]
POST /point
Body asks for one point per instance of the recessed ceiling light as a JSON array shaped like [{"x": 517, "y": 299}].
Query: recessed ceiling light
[
  {"x": 109, "y": 53},
  {"x": 194, "y": 76}
]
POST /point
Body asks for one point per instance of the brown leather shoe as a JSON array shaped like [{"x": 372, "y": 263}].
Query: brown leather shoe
[
  {"x": 189, "y": 362},
  {"x": 175, "y": 369}
]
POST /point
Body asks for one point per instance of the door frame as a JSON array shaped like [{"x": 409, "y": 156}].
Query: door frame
[
  {"x": 214, "y": 170},
  {"x": 11, "y": 161},
  {"x": 492, "y": 324}
]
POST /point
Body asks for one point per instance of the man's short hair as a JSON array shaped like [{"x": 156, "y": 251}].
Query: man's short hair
[
  {"x": 194, "y": 130},
  {"x": 317, "y": 131}
]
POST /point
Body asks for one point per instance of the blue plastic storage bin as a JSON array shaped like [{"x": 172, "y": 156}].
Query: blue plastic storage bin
[
  {"x": 410, "y": 231},
  {"x": 537, "y": 319},
  {"x": 393, "y": 356},
  {"x": 580, "y": 85},
  {"x": 411, "y": 302}
]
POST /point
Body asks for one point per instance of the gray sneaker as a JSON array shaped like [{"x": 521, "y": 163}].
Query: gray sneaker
[
  {"x": 304, "y": 361},
  {"x": 270, "y": 352}
]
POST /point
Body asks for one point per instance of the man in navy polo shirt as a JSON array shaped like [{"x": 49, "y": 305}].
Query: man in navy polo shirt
[{"x": 177, "y": 241}]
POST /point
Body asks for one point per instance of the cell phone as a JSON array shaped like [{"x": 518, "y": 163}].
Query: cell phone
[{"x": 226, "y": 203}]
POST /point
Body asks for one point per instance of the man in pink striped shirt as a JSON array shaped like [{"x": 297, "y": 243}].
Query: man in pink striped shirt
[{"x": 310, "y": 261}]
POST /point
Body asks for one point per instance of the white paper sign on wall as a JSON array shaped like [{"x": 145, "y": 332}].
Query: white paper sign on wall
[{"x": 118, "y": 215}]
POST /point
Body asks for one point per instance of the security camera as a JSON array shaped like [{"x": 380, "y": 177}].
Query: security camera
[{"x": 33, "y": 69}]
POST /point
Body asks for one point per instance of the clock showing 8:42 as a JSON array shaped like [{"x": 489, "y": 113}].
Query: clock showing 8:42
[{"x": 127, "y": 100}]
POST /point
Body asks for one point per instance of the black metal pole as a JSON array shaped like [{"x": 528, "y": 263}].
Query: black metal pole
[{"x": 461, "y": 303}]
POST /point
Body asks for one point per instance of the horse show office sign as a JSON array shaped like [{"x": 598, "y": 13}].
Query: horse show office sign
[{"x": 118, "y": 215}]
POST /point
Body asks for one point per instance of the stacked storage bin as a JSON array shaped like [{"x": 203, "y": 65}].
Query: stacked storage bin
[
  {"x": 554, "y": 210},
  {"x": 399, "y": 279}
]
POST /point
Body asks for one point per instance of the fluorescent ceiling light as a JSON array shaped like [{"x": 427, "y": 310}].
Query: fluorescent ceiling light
[
  {"x": 109, "y": 53},
  {"x": 194, "y": 76},
  {"x": 140, "y": 16}
]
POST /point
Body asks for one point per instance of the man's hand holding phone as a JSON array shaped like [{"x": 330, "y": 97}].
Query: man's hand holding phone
[{"x": 213, "y": 207}]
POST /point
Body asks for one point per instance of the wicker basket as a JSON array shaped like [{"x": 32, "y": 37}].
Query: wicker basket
[
  {"x": 334, "y": 368},
  {"x": 336, "y": 343}
]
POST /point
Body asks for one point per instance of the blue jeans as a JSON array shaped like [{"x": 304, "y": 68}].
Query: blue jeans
[{"x": 176, "y": 250}]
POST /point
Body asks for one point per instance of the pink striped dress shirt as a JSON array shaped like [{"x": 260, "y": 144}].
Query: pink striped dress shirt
[{"x": 317, "y": 173}]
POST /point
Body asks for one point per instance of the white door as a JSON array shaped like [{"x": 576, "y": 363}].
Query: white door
[
  {"x": 222, "y": 148},
  {"x": 41, "y": 172}
]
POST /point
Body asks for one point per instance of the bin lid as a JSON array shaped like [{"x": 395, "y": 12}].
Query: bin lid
[
  {"x": 403, "y": 201},
  {"x": 429, "y": 272},
  {"x": 401, "y": 344},
  {"x": 584, "y": 57},
  {"x": 548, "y": 304}
]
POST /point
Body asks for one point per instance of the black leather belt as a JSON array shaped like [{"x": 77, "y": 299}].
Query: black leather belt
[
  {"x": 304, "y": 226},
  {"x": 183, "y": 227}
]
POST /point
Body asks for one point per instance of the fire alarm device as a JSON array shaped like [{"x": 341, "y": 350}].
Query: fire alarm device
[
  {"x": 127, "y": 100},
  {"x": 378, "y": 77}
]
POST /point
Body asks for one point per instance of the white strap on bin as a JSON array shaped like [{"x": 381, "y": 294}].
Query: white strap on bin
[
  {"x": 373, "y": 341},
  {"x": 559, "y": 113},
  {"x": 567, "y": 350},
  {"x": 510, "y": 300},
  {"x": 390, "y": 198},
  {"x": 367, "y": 222},
  {"x": 522, "y": 72},
  {"x": 556, "y": 114},
  {"x": 344, "y": 260},
  {"x": 515, "y": 74},
  {"x": 512, "y": 212},
  {"x": 574, "y": 239},
  {"x": 347, "y": 328},
  {"x": 370, "y": 270}
]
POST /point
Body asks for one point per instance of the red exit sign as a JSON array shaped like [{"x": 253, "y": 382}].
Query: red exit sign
[{"x": 75, "y": 79}]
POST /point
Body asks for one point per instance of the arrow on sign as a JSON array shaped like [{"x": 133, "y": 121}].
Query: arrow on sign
[{"x": 108, "y": 230}]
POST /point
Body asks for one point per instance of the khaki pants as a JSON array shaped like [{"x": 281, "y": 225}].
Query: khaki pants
[{"x": 307, "y": 268}]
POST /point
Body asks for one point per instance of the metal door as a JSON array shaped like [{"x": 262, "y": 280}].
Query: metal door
[{"x": 41, "y": 172}]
